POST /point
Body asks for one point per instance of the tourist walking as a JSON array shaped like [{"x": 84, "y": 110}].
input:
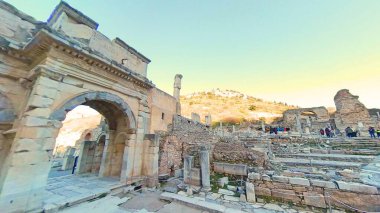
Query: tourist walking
[
  {"x": 322, "y": 132},
  {"x": 378, "y": 133},
  {"x": 371, "y": 131},
  {"x": 328, "y": 132}
]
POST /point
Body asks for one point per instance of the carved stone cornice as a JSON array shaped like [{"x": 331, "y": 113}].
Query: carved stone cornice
[{"x": 45, "y": 40}]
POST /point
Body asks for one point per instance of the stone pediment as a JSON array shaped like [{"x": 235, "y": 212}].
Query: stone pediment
[{"x": 74, "y": 14}]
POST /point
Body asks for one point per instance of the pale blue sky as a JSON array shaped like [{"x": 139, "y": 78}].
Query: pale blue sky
[{"x": 297, "y": 51}]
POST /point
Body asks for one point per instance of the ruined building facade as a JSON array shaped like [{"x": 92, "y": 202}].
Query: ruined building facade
[{"x": 49, "y": 68}]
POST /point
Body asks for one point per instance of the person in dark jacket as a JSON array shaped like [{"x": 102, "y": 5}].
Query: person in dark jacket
[
  {"x": 371, "y": 131},
  {"x": 327, "y": 131}
]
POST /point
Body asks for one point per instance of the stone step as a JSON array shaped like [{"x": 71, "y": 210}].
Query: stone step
[
  {"x": 335, "y": 157},
  {"x": 321, "y": 163},
  {"x": 196, "y": 203}
]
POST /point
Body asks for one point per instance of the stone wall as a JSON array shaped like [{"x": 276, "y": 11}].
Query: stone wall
[
  {"x": 236, "y": 153},
  {"x": 184, "y": 137},
  {"x": 350, "y": 112},
  {"x": 316, "y": 193},
  {"x": 162, "y": 111},
  {"x": 314, "y": 118}
]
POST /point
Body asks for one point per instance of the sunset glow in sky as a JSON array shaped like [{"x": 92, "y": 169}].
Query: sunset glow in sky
[{"x": 296, "y": 51}]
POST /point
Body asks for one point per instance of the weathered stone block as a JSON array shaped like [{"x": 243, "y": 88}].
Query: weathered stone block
[
  {"x": 322, "y": 183},
  {"x": 314, "y": 199},
  {"x": 250, "y": 192},
  {"x": 254, "y": 176},
  {"x": 281, "y": 179},
  {"x": 262, "y": 191},
  {"x": 357, "y": 187},
  {"x": 299, "y": 181},
  {"x": 38, "y": 132},
  {"x": 233, "y": 169},
  {"x": 35, "y": 121},
  {"x": 46, "y": 91},
  {"x": 286, "y": 195},
  {"x": 39, "y": 112},
  {"x": 40, "y": 102}
]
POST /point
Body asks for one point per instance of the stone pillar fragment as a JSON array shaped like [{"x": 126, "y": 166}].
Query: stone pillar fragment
[
  {"x": 187, "y": 166},
  {"x": 205, "y": 168},
  {"x": 298, "y": 123},
  {"x": 195, "y": 117},
  {"x": 263, "y": 126},
  {"x": 208, "y": 120},
  {"x": 250, "y": 192},
  {"x": 177, "y": 90}
]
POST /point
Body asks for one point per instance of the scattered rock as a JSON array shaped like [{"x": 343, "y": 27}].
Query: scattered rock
[
  {"x": 223, "y": 181},
  {"x": 232, "y": 188},
  {"x": 243, "y": 198},
  {"x": 231, "y": 198},
  {"x": 225, "y": 192},
  {"x": 273, "y": 207}
]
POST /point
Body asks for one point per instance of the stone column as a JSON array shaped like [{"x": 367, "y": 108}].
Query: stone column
[
  {"x": 250, "y": 192},
  {"x": 105, "y": 163},
  {"x": 150, "y": 168},
  {"x": 127, "y": 165},
  {"x": 263, "y": 126},
  {"x": 143, "y": 117},
  {"x": 298, "y": 123},
  {"x": 208, "y": 120},
  {"x": 378, "y": 115},
  {"x": 205, "y": 168},
  {"x": 177, "y": 90},
  {"x": 233, "y": 128},
  {"x": 187, "y": 166}
]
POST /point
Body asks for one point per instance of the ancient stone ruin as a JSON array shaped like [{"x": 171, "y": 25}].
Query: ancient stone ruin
[{"x": 144, "y": 145}]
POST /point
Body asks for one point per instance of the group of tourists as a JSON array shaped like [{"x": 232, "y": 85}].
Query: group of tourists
[
  {"x": 350, "y": 133},
  {"x": 328, "y": 132},
  {"x": 275, "y": 130},
  {"x": 372, "y": 132}
]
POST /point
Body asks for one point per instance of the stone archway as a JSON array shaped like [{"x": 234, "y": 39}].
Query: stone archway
[
  {"x": 120, "y": 119},
  {"x": 105, "y": 103}
]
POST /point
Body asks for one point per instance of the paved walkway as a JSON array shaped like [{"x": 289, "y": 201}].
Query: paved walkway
[{"x": 71, "y": 189}]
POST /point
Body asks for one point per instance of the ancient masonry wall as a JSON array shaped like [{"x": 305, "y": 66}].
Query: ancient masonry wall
[
  {"x": 184, "y": 137},
  {"x": 316, "y": 193}
]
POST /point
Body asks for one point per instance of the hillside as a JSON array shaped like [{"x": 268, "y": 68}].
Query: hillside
[{"x": 229, "y": 105}]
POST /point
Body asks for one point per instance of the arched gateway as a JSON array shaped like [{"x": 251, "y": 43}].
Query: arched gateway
[{"x": 47, "y": 69}]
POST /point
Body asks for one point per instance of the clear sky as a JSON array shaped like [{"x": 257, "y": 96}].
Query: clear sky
[{"x": 296, "y": 51}]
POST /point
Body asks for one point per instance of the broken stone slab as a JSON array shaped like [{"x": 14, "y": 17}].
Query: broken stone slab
[
  {"x": 232, "y": 188},
  {"x": 273, "y": 207},
  {"x": 196, "y": 189},
  {"x": 254, "y": 176},
  {"x": 266, "y": 177},
  {"x": 357, "y": 187},
  {"x": 182, "y": 193},
  {"x": 299, "y": 181},
  {"x": 314, "y": 199},
  {"x": 203, "y": 205},
  {"x": 231, "y": 198},
  {"x": 223, "y": 181},
  {"x": 170, "y": 189},
  {"x": 213, "y": 196},
  {"x": 322, "y": 183},
  {"x": 225, "y": 192},
  {"x": 242, "y": 198},
  {"x": 250, "y": 192},
  {"x": 281, "y": 179}
]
